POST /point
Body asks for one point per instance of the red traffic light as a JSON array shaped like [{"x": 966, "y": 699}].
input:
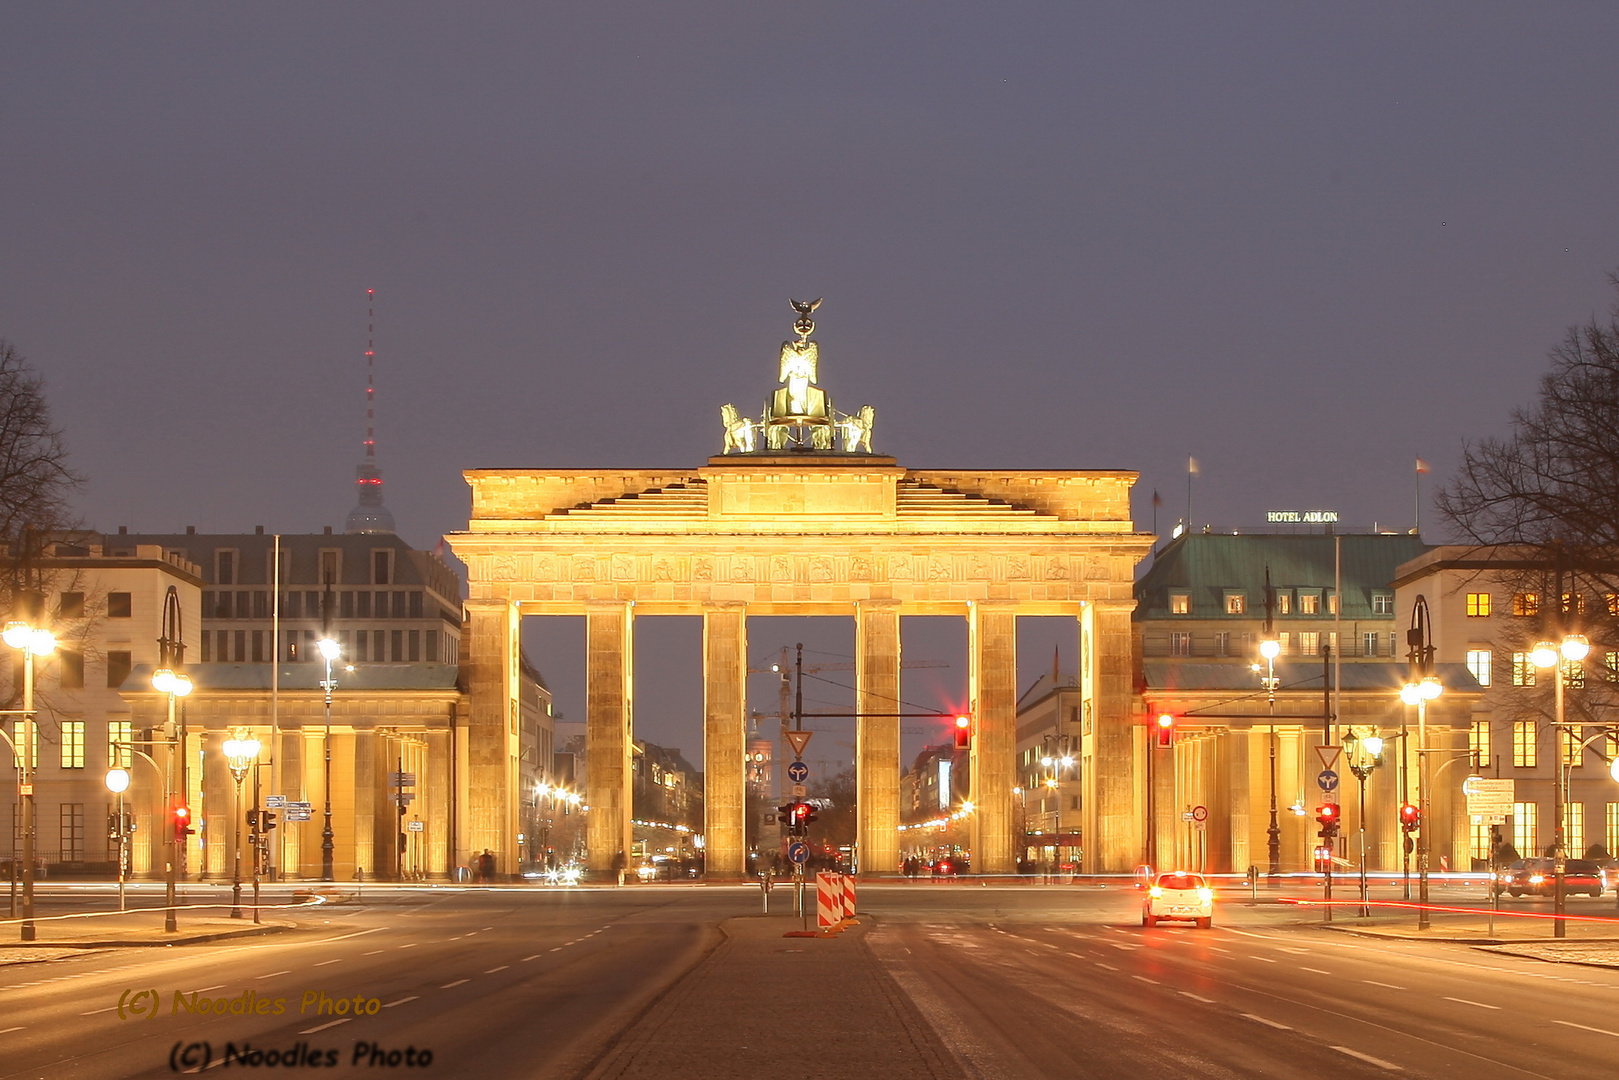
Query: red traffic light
[
  {"x": 1410, "y": 816},
  {"x": 1165, "y": 727},
  {"x": 964, "y": 732},
  {"x": 180, "y": 817},
  {"x": 1328, "y": 813}
]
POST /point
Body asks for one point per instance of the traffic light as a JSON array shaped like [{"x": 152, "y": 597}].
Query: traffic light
[
  {"x": 1328, "y": 816},
  {"x": 964, "y": 732},
  {"x": 253, "y": 820},
  {"x": 797, "y": 816},
  {"x": 114, "y": 826},
  {"x": 1410, "y": 817},
  {"x": 180, "y": 819},
  {"x": 266, "y": 820},
  {"x": 1164, "y": 726}
]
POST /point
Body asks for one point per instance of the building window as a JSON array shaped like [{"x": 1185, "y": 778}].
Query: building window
[
  {"x": 258, "y": 646},
  {"x": 331, "y": 567},
  {"x": 1610, "y": 666},
  {"x": 224, "y": 567},
  {"x": 1478, "y": 662},
  {"x": 1309, "y": 604},
  {"x": 397, "y": 651},
  {"x": 120, "y": 757},
  {"x": 1332, "y": 640},
  {"x": 1236, "y": 604},
  {"x": 1573, "y": 603},
  {"x": 1310, "y": 643},
  {"x": 382, "y": 564},
  {"x": 72, "y": 744},
  {"x": 1525, "y": 604},
  {"x": 207, "y": 650},
  {"x": 72, "y": 832},
  {"x": 1284, "y": 603},
  {"x": 118, "y": 605},
  {"x": 1574, "y": 673},
  {"x": 415, "y": 640},
  {"x": 1524, "y": 754},
  {"x": 1394, "y": 643},
  {"x": 224, "y": 647},
  {"x": 415, "y": 605},
  {"x": 1523, "y": 670},
  {"x": 1479, "y": 836},
  {"x": 1332, "y": 604},
  {"x": 1574, "y": 829},
  {"x": 1383, "y": 603},
  {"x": 119, "y": 664},
  {"x": 71, "y": 671},
  {"x": 1478, "y": 743},
  {"x": 70, "y": 605},
  {"x": 382, "y": 605},
  {"x": 1180, "y": 603},
  {"x": 1180, "y": 643},
  {"x": 1285, "y": 641},
  {"x": 1523, "y": 829},
  {"x": 1613, "y": 827},
  {"x": 1368, "y": 643},
  {"x": 432, "y": 648},
  {"x": 1478, "y": 605},
  {"x": 1573, "y": 753}
]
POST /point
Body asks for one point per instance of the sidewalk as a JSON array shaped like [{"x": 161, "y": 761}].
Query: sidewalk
[
  {"x": 787, "y": 1008},
  {"x": 144, "y": 927}
]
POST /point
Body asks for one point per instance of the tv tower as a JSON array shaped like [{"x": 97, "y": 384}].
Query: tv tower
[{"x": 369, "y": 515}]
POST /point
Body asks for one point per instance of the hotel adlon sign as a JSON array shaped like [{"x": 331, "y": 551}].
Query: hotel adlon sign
[{"x": 1301, "y": 517}]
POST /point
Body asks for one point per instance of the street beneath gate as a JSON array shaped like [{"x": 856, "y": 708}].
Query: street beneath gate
[{"x": 937, "y": 980}]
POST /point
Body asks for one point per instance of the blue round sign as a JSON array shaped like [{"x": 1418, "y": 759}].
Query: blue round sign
[
  {"x": 1327, "y": 779},
  {"x": 798, "y": 852},
  {"x": 798, "y": 772}
]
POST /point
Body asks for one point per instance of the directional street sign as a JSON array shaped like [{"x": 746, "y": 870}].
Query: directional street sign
[
  {"x": 1327, "y": 779},
  {"x": 297, "y": 815},
  {"x": 798, "y": 772},
  {"x": 1489, "y": 798},
  {"x": 402, "y": 779},
  {"x": 404, "y": 798},
  {"x": 275, "y": 802},
  {"x": 798, "y": 852},
  {"x": 298, "y": 806}
]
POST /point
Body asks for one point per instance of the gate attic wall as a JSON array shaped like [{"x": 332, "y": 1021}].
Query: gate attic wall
[{"x": 810, "y": 534}]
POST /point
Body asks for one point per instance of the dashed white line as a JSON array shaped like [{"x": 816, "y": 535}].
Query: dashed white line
[
  {"x": 1565, "y": 1023},
  {"x": 1216, "y": 948},
  {"x": 1386, "y": 986},
  {"x": 1110, "y": 967},
  {"x": 1195, "y": 997},
  {"x": 221, "y": 986},
  {"x": 323, "y": 1027},
  {"x": 1369, "y": 1059},
  {"x": 412, "y": 945},
  {"x": 1479, "y": 1004},
  {"x": 339, "y": 960},
  {"x": 1316, "y": 971},
  {"x": 492, "y": 970},
  {"x": 1122, "y": 945},
  {"x": 526, "y": 959},
  {"x": 401, "y": 1001},
  {"x": 272, "y": 975},
  {"x": 1267, "y": 1023},
  {"x": 8, "y": 1031},
  {"x": 557, "y": 949},
  {"x": 457, "y": 982},
  {"x": 1262, "y": 959},
  {"x": 373, "y": 952},
  {"x": 94, "y": 1012},
  {"x": 1144, "y": 979}
]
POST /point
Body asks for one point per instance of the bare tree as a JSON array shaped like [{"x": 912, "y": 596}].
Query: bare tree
[{"x": 35, "y": 480}]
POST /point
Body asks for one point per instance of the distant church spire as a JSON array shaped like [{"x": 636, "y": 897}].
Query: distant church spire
[{"x": 369, "y": 515}]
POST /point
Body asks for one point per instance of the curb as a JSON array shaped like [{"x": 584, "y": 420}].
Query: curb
[{"x": 192, "y": 939}]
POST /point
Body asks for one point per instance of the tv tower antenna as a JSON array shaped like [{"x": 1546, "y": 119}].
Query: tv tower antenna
[{"x": 369, "y": 515}]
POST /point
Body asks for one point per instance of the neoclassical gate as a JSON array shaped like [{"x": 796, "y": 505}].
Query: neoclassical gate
[{"x": 800, "y": 528}]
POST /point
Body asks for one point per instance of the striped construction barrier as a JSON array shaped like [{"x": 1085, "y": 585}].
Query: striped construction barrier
[
  {"x": 848, "y": 896},
  {"x": 828, "y": 900}
]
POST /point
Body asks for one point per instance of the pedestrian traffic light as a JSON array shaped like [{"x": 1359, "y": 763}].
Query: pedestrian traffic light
[
  {"x": 1165, "y": 728},
  {"x": 1410, "y": 817},
  {"x": 253, "y": 820},
  {"x": 1328, "y": 815},
  {"x": 266, "y": 820},
  {"x": 180, "y": 819},
  {"x": 797, "y": 816},
  {"x": 114, "y": 826},
  {"x": 964, "y": 732}
]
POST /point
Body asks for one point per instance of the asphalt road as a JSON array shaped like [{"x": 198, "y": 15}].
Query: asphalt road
[{"x": 1008, "y": 982}]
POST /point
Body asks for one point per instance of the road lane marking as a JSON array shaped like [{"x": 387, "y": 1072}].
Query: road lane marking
[
  {"x": 1369, "y": 1059},
  {"x": 345, "y": 937},
  {"x": 1267, "y": 1023},
  {"x": 1565, "y": 1023},
  {"x": 1262, "y": 959},
  {"x": 1386, "y": 986},
  {"x": 401, "y": 1001},
  {"x": 457, "y": 982},
  {"x": 374, "y": 952},
  {"x": 526, "y": 959},
  {"x": 323, "y": 1027},
  {"x": 339, "y": 960},
  {"x": 1144, "y": 979},
  {"x": 1110, "y": 967},
  {"x": 412, "y": 945},
  {"x": 1122, "y": 945},
  {"x": 492, "y": 970},
  {"x": 1286, "y": 948},
  {"x": 557, "y": 949},
  {"x": 94, "y": 1012},
  {"x": 1480, "y": 1004},
  {"x": 1317, "y": 971},
  {"x": 272, "y": 975},
  {"x": 1217, "y": 948},
  {"x": 485, "y": 928},
  {"x": 1195, "y": 997},
  {"x": 8, "y": 1031}
]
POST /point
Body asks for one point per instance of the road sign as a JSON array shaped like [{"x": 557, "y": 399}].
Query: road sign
[
  {"x": 798, "y": 852},
  {"x": 1200, "y": 813},
  {"x": 799, "y": 791},
  {"x": 413, "y": 826},
  {"x": 274, "y": 802},
  {"x": 798, "y": 772},
  {"x": 297, "y": 815},
  {"x": 298, "y": 806},
  {"x": 1489, "y": 798},
  {"x": 404, "y": 798},
  {"x": 1186, "y": 815},
  {"x": 1328, "y": 756},
  {"x": 402, "y": 779},
  {"x": 1327, "y": 780},
  {"x": 798, "y": 740}
]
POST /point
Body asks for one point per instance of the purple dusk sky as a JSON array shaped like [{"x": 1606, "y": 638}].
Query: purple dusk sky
[{"x": 1305, "y": 243}]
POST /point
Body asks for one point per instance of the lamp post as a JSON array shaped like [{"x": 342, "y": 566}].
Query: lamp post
[
  {"x": 1058, "y": 758},
  {"x": 31, "y": 641},
  {"x": 118, "y": 783},
  {"x": 1364, "y": 753},
  {"x": 240, "y": 751},
  {"x": 1270, "y": 649},
  {"x": 1421, "y": 687},
  {"x": 329, "y": 651},
  {"x": 170, "y": 680},
  {"x": 1573, "y": 649},
  {"x": 116, "y": 776}
]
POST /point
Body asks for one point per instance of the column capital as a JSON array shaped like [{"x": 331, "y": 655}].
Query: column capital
[
  {"x": 883, "y": 604},
  {"x": 490, "y": 603},
  {"x": 1113, "y": 607}
]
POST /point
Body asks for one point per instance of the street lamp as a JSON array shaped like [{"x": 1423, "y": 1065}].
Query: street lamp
[
  {"x": 329, "y": 651},
  {"x": 241, "y": 749},
  {"x": 170, "y": 680},
  {"x": 118, "y": 783},
  {"x": 1058, "y": 758},
  {"x": 1364, "y": 753},
  {"x": 1573, "y": 649},
  {"x": 31, "y": 641},
  {"x": 1421, "y": 687},
  {"x": 1270, "y": 649}
]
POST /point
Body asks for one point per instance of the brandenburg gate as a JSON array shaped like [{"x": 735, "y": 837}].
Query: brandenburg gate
[{"x": 799, "y": 517}]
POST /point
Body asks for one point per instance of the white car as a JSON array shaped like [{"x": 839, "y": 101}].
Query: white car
[{"x": 1179, "y": 896}]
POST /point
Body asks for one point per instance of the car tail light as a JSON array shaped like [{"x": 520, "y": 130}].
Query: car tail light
[{"x": 1155, "y": 892}]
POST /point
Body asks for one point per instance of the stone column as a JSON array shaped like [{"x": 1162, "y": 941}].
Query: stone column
[
  {"x": 725, "y": 781},
  {"x": 290, "y": 776},
  {"x": 877, "y": 741},
  {"x": 1113, "y": 807},
  {"x": 218, "y": 794},
  {"x": 436, "y": 813},
  {"x": 992, "y": 661},
  {"x": 366, "y": 852},
  {"x": 1237, "y": 780},
  {"x": 609, "y": 729},
  {"x": 491, "y": 646}
]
